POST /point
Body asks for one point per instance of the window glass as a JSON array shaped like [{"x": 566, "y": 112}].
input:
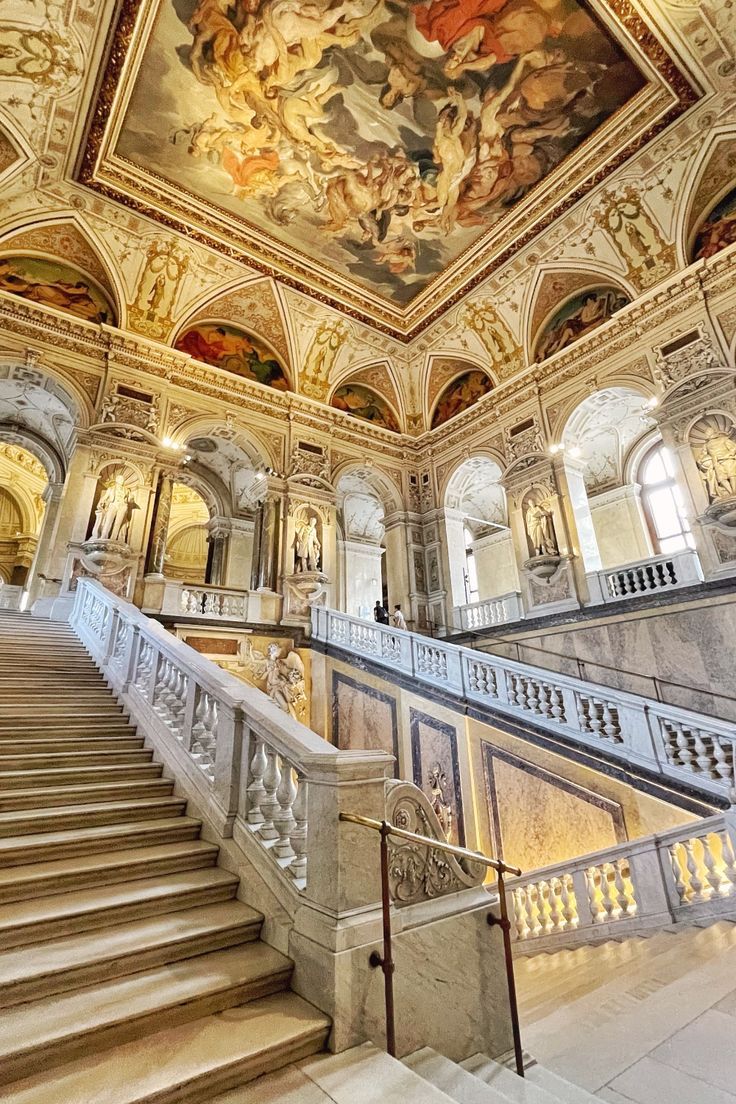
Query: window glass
[{"x": 663, "y": 502}]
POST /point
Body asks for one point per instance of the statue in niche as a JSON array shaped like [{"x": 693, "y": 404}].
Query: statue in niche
[
  {"x": 540, "y": 527},
  {"x": 114, "y": 511},
  {"x": 437, "y": 782},
  {"x": 307, "y": 547},
  {"x": 284, "y": 675},
  {"x": 717, "y": 464}
]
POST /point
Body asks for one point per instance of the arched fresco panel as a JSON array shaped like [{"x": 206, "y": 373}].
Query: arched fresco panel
[
  {"x": 233, "y": 350},
  {"x": 719, "y": 228},
  {"x": 361, "y": 402},
  {"x": 54, "y": 284},
  {"x": 462, "y": 392},
  {"x": 582, "y": 313}
]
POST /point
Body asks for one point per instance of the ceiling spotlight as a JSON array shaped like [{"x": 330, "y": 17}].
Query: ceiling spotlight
[
  {"x": 651, "y": 403},
  {"x": 554, "y": 449}
]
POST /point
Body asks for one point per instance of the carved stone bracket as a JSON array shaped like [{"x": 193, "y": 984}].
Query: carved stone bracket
[{"x": 417, "y": 872}]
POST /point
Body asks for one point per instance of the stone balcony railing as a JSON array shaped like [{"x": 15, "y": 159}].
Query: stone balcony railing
[
  {"x": 679, "y": 876},
  {"x": 634, "y": 580},
  {"x": 10, "y": 597},
  {"x": 645, "y": 577},
  {"x": 213, "y": 603},
  {"x": 679, "y": 744}
]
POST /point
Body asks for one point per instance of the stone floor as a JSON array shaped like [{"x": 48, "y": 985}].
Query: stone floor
[{"x": 645, "y": 1021}]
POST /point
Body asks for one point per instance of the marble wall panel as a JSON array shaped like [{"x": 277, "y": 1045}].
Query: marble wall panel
[
  {"x": 363, "y": 717},
  {"x": 538, "y": 818},
  {"x": 436, "y": 769}
]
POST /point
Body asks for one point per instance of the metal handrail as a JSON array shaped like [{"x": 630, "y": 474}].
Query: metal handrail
[{"x": 386, "y": 960}]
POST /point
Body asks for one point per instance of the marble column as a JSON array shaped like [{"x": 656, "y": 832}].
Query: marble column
[
  {"x": 52, "y": 496},
  {"x": 160, "y": 527},
  {"x": 218, "y": 536},
  {"x": 264, "y": 577},
  {"x": 239, "y": 560}
]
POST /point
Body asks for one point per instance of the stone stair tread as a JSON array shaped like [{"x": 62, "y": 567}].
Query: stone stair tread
[
  {"x": 90, "y": 864},
  {"x": 53, "y": 956},
  {"x": 101, "y": 755},
  {"x": 514, "y": 1089},
  {"x": 88, "y": 790},
  {"x": 90, "y": 900},
  {"x": 110, "y": 770},
  {"x": 9, "y": 819},
  {"x": 97, "y": 831},
  {"x": 214, "y": 1051},
  {"x": 49, "y": 1021},
  {"x": 458, "y": 1083},
  {"x": 63, "y": 744},
  {"x": 557, "y": 1087}
]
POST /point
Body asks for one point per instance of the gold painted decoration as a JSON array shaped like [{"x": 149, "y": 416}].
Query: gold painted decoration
[
  {"x": 361, "y": 402},
  {"x": 233, "y": 350},
  {"x": 578, "y": 316},
  {"x": 53, "y": 284},
  {"x": 462, "y": 392}
]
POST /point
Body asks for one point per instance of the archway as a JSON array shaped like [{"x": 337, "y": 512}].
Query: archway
[
  {"x": 479, "y": 545},
  {"x": 362, "y": 568},
  {"x": 186, "y": 539},
  {"x": 598, "y": 439},
  {"x": 23, "y": 486}
]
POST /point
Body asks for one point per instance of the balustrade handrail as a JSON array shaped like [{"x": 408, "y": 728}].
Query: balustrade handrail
[
  {"x": 386, "y": 960},
  {"x": 581, "y": 664},
  {"x": 669, "y": 740}
]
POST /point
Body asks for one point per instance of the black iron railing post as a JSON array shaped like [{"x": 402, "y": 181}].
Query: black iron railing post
[
  {"x": 386, "y": 960},
  {"x": 504, "y": 924}
]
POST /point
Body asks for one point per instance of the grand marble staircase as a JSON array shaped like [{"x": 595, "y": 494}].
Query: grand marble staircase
[{"x": 129, "y": 969}]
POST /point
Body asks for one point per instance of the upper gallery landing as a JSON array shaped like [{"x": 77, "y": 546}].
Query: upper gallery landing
[{"x": 384, "y": 155}]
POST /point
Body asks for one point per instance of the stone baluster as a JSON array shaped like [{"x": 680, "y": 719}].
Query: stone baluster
[
  {"x": 256, "y": 791},
  {"x": 728, "y": 859},
  {"x": 593, "y": 877},
  {"x": 722, "y": 767},
  {"x": 713, "y": 875},
  {"x": 677, "y": 870},
  {"x": 684, "y": 754},
  {"x": 702, "y": 753},
  {"x": 283, "y": 819},
  {"x": 624, "y": 899},
  {"x": 520, "y": 918},
  {"x": 555, "y": 911},
  {"x": 695, "y": 888},
  {"x": 567, "y": 902},
  {"x": 269, "y": 801},
  {"x": 298, "y": 868}
]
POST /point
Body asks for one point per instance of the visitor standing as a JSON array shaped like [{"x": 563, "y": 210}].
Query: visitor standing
[
  {"x": 380, "y": 614},
  {"x": 398, "y": 618}
]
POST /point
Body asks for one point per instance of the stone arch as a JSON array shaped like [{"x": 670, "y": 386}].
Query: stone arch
[
  {"x": 256, "y": 299},
  {"x": 711, "y": 177},
  {"x": 66, "y": 239},
  {"x": 205, "y": 425},
  {"x": 378, "y": 481},
  {"x": 229, "y": 464},
  {"x": 35, "y": 402},
  {"x": 478, "y": 539}
]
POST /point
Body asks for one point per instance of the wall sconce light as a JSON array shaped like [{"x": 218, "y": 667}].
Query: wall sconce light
[
  {"x": 554, "y": 449},
  {"x": 651, "y": 403}
]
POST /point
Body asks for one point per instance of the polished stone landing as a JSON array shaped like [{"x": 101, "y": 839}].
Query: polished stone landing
[{"x": 643, "y": 1021}]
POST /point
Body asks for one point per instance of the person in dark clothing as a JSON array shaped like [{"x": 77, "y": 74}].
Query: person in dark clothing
[{"x": 380, "y": 614}]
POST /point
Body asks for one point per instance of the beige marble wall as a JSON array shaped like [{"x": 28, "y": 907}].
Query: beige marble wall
[
  {"x": 549, "y": 810},
  {"x": 690, "y": 647},
  {"x": 495, "y": 564},
  {"x": 620, "y": 527}
]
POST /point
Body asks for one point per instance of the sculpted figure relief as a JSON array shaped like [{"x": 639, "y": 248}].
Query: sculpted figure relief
[
  {"x": 114, "y": 512},
  {"x": 540, "y": 527},
  {"x": 307, "y": 547},
  {"x": 717, "y": 464},
  {"x": 284, "y": 676}
]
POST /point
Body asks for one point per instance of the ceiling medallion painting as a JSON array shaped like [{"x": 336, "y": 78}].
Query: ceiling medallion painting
[{"x": 369, "y": 148}]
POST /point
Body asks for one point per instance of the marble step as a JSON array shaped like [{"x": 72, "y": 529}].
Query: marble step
[
  {"x": 456, "y": 1082},
  {"x": 557, "y": 1087},
  {"x": 34, "y": 821},
  {"x": 363, "y": 1075},
  {"x": 87, "y": 909},
  {"x": 45, "y": 797},
  {"x": 43, "y": 846},
  {"x": 115, "y": 772},
  {"x": 58, "y": 965},
  {"x": 42, "y": 714},
  {"x": 22, "y": 760},
  {"x": 117, "y": 725},
  {"x": 40, "y": 879},
  {"x": 512, "y": 1088},
  {"x": 58, "y": 1029},
  {"x": 53, "y": 744},
  {"x": 190, "y": 1063}
]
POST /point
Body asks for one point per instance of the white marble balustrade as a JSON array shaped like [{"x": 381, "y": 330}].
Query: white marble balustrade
[
  {"x": 681, "y": 875},
  {"x": 249, "y": 760},
  {"x": 673, "y": 742},
  {"x": 645, "y": 577},
  {"x": 216, "y": 603},
  {"x": 491, "y": 611}
]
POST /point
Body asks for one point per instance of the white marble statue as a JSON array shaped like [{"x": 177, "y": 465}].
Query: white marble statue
[
  {"x": 540, "y": 527},
  {"x": 717, "y": 464},
  {"x": 114, "y": 511},
  {"x": 307, "y": 547},
  {"x": 284, "y": 675}
]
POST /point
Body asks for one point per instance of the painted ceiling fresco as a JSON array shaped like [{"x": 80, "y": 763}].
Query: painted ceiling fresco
[
  {"x": 379, "y": 139},
  {"x": 577, "y": 317},
  {"x": 53, "y": 284},
  {"x": 460, "y": 393},
  {"x": 719, "y": 229},
  {"x": 361, "y": 402},
  {"x": 232, "y": 349}
]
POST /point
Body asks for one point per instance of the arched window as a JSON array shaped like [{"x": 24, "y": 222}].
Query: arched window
[
  {"x": 663, "y": 503},
  {"x": 471, "y": 575}
]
